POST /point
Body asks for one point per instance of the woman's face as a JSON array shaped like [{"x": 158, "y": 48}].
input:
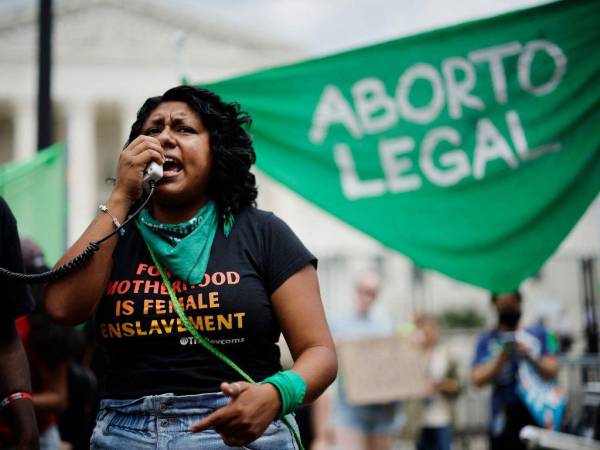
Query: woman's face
[{"x": 186, "y": 143}]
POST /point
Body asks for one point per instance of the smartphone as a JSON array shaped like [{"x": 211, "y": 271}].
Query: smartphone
[{"x": 509, "y": 340}]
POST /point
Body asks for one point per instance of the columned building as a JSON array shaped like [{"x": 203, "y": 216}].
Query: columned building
[{"x": 108, "y": 56}]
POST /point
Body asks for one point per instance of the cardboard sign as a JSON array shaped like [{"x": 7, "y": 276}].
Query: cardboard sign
[{"x": 382, "y": 369}]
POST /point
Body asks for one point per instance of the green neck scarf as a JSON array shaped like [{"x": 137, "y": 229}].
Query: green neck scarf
[{"x": 184, "y": 248}]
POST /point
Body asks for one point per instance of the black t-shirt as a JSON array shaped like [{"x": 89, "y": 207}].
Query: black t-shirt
[
  {"x": 147, "y": 349},
  {"x": 16, "y": 297}
]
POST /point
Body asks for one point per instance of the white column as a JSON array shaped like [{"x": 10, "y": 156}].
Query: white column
[
  {"x": 25, "y": 126},
  {"x": 81, "y": 167}
]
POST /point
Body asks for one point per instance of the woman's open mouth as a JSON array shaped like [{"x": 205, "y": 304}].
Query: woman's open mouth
[{"x": 171, "y": 168}]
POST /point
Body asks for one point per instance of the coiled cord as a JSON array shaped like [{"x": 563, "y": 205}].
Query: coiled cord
[{"x": 78, "y": 261}]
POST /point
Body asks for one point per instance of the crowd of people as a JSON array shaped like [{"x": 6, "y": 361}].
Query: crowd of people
[
  {"x": 201, "y": 259},
  {"x": 498, "y": 357}
]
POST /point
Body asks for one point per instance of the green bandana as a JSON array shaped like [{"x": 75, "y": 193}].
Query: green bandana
[{"x": 183, "y": 248}]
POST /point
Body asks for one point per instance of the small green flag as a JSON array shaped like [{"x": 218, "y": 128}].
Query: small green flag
[{"x": 35, "y": 190}]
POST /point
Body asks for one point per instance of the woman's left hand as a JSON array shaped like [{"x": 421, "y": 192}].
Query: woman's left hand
[{"x": 252, "y": 408}]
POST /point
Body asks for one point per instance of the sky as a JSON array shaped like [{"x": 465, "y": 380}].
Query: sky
[{"x": 326, "y": 26}]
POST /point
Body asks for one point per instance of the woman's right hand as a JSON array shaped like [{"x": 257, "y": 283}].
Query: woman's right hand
[
  {"x": 132, "y": 163},
  {"x": 73, "y": 299}
]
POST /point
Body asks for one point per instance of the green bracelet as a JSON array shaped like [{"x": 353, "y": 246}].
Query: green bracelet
[{"x": 292, "y": 390}]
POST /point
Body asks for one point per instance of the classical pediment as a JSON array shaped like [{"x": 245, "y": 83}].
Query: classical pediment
[{"x": 132, "y": 32}]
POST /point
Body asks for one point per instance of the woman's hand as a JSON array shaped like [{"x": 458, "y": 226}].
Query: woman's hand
[
  {"x": 132, "y": 163},
  {"x": 252, "y": 408}
]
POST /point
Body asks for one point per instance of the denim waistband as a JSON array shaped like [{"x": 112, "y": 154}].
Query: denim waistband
[{"x": 168, "y": 404}]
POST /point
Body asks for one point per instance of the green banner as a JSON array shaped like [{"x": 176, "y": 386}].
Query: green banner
[
  {"x": 35, "y": 192},
  {"x": 472, "y": 149}
]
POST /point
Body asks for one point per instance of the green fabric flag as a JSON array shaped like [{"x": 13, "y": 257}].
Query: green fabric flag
[
  {"x": 35, "y": 190},
  {"x": 472, "y": 149}
]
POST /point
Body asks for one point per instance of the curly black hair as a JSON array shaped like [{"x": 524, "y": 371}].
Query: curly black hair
[{"x": 231, "y": 184}]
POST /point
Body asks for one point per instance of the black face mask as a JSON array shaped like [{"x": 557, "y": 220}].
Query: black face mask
[{"x": 509, "y": 317}]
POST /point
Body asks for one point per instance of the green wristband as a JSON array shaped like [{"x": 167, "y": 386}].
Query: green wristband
[{"x": 292, "y": 390}]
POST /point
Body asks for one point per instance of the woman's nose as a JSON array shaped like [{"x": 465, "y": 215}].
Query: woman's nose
[{"x": 166, "y": 138}]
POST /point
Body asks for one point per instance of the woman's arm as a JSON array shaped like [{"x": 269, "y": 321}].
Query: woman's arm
[
  {"x": 298, "y": 307},
  {"x": 14, "y": 377},
  {"x": 74, "y": 298}
]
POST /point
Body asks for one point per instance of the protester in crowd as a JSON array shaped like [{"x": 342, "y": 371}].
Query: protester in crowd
[
  {"x": 20, "y": 430},
  {"x": 240, "y": 273},
  {"x": 64, "y": 392},
  {"x": 360, "y": 427},
  {"x": 497, "y": 357},
  {"x": 77, "y": 422},
  {"x": 436, "y": 417},
  {"x": 49, "y": 348},
  {"x": 322, "y": 431}
]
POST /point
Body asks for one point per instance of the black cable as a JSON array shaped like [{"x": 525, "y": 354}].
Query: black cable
[{"x": 78, "y": 261}]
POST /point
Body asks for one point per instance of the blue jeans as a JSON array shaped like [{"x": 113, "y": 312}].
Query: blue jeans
[
  {"x": 435, "y": 438},
  {"x": 50, "y": 439},
  {"x": 162, "y": 422},
  {"x": 370, "y": 420}
]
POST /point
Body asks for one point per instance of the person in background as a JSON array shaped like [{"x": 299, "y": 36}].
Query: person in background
[
  {"x": 20, "y": 430},
  {"x": 323, "y": 433},
  {"x": 65, "y": 392},
  {"x": 436, "y": 419},
  {"x": 48, "y": 348},
  {"x": 359, "y": 427},
  {"x": 497, "y": 356},
  {"x": 77, "y": 422}
]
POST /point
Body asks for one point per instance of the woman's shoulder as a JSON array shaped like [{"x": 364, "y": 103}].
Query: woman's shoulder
[
  {"x": 262, "y": 223},
  {"x": 255, "y": 216}
]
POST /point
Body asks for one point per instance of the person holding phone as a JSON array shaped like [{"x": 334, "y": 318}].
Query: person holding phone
[
  {"x": 239, "y": 274},
  {"x": 496, "y": 362}
]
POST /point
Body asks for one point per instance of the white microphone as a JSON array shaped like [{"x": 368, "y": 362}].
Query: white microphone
[{"x": 153, "y": 172}]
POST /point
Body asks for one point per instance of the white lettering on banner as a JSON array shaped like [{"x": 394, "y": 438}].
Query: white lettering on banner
[
  {"x": 526, "y": 59},
  {"x": 493, "y": 56},
  {"x": 424, "y": 114},
  {"x": 333, "y": 108},
  {"x": 370, "y": 97},
  {"x": 455, "y": 162},
  {"x": 490, "y": 145},
  {"x": 441, "y": 157},
  {"x": 395, "y": 168},
  {"x": 517, "y": 135},
  {"x": 352, "y": 185},
  {"x": 459, "y": 92},
  {"x": 453, "y": 166}
]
